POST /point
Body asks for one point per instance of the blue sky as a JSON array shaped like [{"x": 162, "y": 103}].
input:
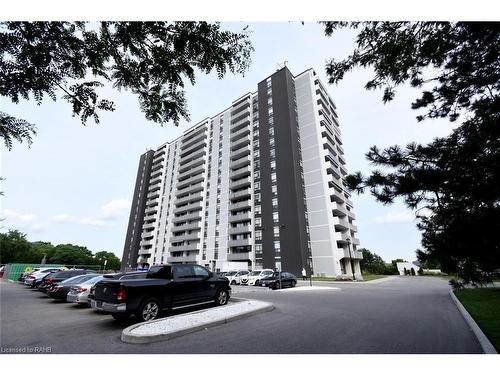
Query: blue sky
[{"x": 75, "y": 184}]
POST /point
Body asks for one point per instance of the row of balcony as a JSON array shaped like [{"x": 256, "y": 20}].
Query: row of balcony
[
  {"x": 184, "y": 227},
  {"x": 189, "y": 207},
  {"x": 190, "y": 198}
]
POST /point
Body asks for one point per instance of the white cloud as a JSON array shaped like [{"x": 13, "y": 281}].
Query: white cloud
[
  {"x": 18, "y": 220},
  {"x": 395, "y": 217},
  {"x": 62, "y": 218},
  {"x": 94, "y": 222},
  {"x": 108, "y": 213},
  {"x": 115, "y": 209}
]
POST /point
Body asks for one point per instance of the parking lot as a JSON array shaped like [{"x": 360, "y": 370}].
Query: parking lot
[{"x": 403, "y": 315}]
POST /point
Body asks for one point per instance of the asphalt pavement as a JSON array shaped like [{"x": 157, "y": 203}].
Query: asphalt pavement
[{"x": 401, "y": 315}]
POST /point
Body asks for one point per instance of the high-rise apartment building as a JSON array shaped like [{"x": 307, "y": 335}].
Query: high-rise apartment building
[{"x": 259, "y": 185}]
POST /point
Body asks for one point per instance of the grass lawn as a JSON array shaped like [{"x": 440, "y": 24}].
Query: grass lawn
[
  {"x": 369, "y": 277},
  {"x": 484, "y": 306}
]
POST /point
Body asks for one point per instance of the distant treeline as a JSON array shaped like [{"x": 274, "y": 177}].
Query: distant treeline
[{"x": 15, "y": 248}]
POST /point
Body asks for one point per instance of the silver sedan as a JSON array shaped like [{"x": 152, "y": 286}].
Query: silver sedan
[{"x": 80, "y": 293}]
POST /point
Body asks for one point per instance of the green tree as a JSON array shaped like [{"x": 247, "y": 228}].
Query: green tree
[
  {"x": 39, "y": 250},
  {"x": 113, "y": 260},
  {"x": 372, "y": 263},
  {"x": 457, "y": 178},
  {"x": 14, "y": 247},
  {"x": 69, "y": 254},
  {"x": 153, "y": 60}
]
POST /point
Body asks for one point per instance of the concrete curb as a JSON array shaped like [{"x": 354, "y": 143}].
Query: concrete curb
[
  {"x": 486, "y": 345},
  {"x": 129, "y": 337}
]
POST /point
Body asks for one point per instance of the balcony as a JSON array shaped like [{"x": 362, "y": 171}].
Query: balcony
[
  {"x": 355, "y": 241},
  {"x": 241, "y": 123},
  {"x": 192, "y": 134},
  {"x": 354, "y": 228},
  {"x": 148, "y": 225},
  {"x": 185, "y": 237},
  {"x": 144, "y": 251},
  {"x": 182, "y": 228},
  {"x": 236, "y": 145},
  {"x": 192, "y": 216},
  {"x": 190, "y": 247},
  {"x": 239, "y": 206},
  {"x": 238, "y": 256},
  {"x": 241, "y": 105},
  {"x": 190, "y": 141},
  {"x": 190, "y": 165},
  {"x": 242, "y": 182},
  {"x": 240, "y": 217},
  {"x": 244, "y": 132},
  {"x": 190, "y": 189},
  {"x": 356, "y": 254},
  {"x": 240, "y": 172},
  {"x": 340, "y": 224},
  {"x": 185, "y": 258},
  {"x": 242, "y": 161},
  {"x": 153, "y": 195},
  {"x": 195, "y": 171},
  {"x": 238, "y": 243},
  {"x": 145, "y": 243},
  {"x": 150, "y": 211},
  {"x": 190, "y": 198},
  {"x": 338, "y": 209},
  {"x": 193, "y": 181},
  {"x": 351, "y": 215},
  {"x": 189, "y": 207},
  {"x": 195, "y": 156},
  {"x": 246, "y": 150},
  {"x": 240, "y": 230},
  {"x": 198, "y": 145},
  {"x": 240, "y": 194}
]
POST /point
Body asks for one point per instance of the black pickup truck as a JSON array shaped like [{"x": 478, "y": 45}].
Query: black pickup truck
[{"x": 165, "y": 287}]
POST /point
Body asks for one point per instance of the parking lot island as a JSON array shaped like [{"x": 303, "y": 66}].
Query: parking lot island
[{"x": 179, "y": 325}]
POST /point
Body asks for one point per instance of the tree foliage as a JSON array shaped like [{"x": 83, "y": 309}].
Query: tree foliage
[
  {"x": 372, "y": 263},
  {"x": 456, "y": 178},
  {"x": 153, "y": 60},
  {"x": 15, "y": 248}
]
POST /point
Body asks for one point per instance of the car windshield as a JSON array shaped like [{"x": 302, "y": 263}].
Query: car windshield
[
  {"x": 232, "y": 273},
  {"x": 74, "y": 279},
  {"x": 93, "y": 279},
  {"x": 254, "y": 273}
]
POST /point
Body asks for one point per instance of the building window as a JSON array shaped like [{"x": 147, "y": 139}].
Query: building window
[
  {"x": 274, "y": 189},
  {"x": 273, "y": 165},
  {"x": 258, "y": 235},
  {"x": 258, "y": 249},
  {"x": 276, "y": 217},
  {"x": 257, "y": 209},
  {"x": 258, "y": 221},
  {"x": 277, "y": 246},
  {"x": 273, "y": 177},
  {"x": 276, "y": 231},
  {"x": 275, "y": 202}
]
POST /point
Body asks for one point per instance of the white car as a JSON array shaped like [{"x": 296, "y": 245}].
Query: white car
[
  {"x": 236, "y": 276},
  {"x": 35, "y": 277},
  {"x": 253, "y": 278}
]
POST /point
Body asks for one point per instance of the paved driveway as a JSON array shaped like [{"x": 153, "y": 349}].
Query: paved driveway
[{"x": 402, "y": 315}]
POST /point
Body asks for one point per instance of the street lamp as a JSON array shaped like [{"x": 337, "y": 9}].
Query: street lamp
[{"x": 350, "y": 255}]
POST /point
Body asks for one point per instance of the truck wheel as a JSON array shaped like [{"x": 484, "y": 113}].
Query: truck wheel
[
  {"x": 120, "y": 317},
  {"x": 293, "y": 283},
  {"x": 148, "y": 310},
  {"x": 233, "y": 282},
  {"x": 221, "y": 297}
]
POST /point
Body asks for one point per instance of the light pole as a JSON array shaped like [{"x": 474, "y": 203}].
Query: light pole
[{"x": 350, "y": 256}]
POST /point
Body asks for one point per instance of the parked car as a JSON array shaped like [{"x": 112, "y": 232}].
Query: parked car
[
  {"x": 165, "y": 287},
  {"x": 61, "y": 289},
  {"x": 57, "y": 277},
  {"x": 254, "y": 277},
  {"x": 116, "y": 276},
  {"x": 274, "y": 282},
  {"x": 2, "y": 270},
  {"x": 234, "y": 277},
  {"x": 34, "y": 278},
  {"x": 79, "y": 293}
]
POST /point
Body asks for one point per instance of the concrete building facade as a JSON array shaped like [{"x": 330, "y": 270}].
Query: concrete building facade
[{"x": 259, "y": 185}]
